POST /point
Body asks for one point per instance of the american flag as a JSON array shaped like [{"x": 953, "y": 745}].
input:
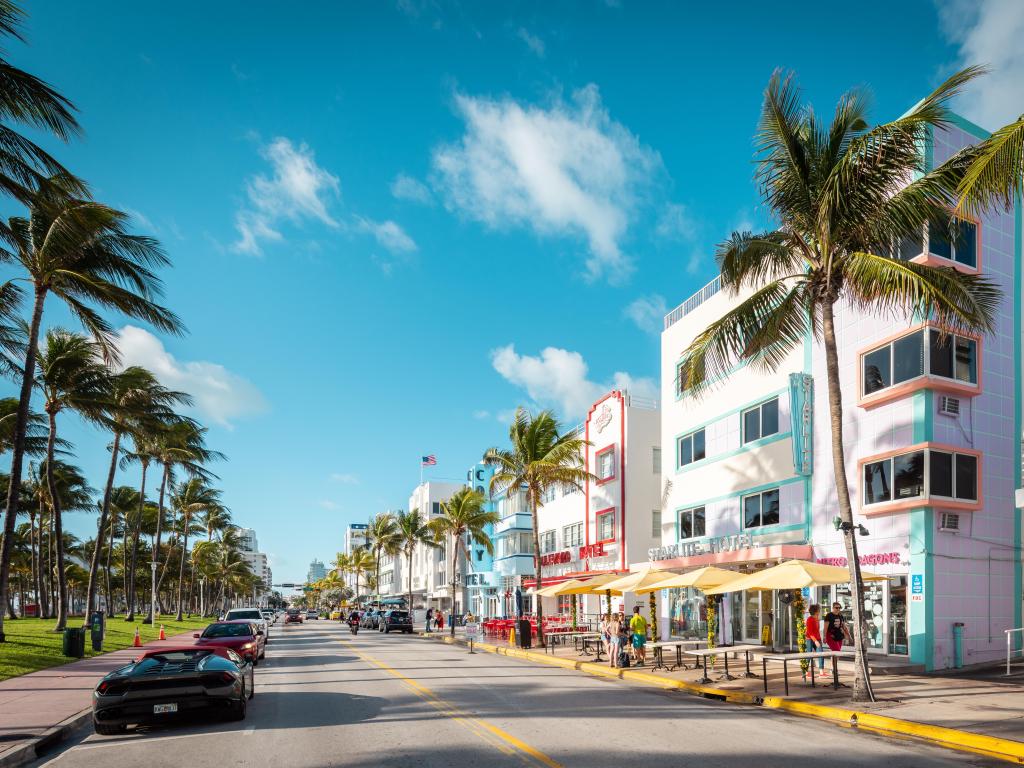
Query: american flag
[{"x": 428, "y": 461}]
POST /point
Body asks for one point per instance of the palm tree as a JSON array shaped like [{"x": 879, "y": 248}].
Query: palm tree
[
  {"x": 136, "y": 398},
  {"x": 841, "y": 198},
  {"x": 382, "y": 536},
  {"x": 463, "y": 519},
  {"x": 995, "y": 175},
  {"x": 193, "y": 497},
  {"x": 541, "y": 458},
  {"x": 413, "y": 531},
  {"x": 71, "y": 377},
  {"x": 362, "y": 561},
  {"x": 79, "y": 251},
  {"x": 63, "y": 489},
  {"x": 122, "y": 503}
]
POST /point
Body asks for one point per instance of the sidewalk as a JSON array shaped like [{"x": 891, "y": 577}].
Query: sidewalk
[
  {"x": 981, "y": 712},
  {"x": 40, "y": 706}
]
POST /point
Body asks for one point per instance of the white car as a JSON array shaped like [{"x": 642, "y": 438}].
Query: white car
[{"x": 252, "y": 614}]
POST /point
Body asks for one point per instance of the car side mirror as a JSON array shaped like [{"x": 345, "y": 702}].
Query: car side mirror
[{"x": 195, "y": 635}]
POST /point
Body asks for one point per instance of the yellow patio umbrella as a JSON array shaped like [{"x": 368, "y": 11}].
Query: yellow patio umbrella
[
  {"x": 591, "y": 586},
  {"x": 554, "y": 590},
  {"x": 634, "y": 582},
  {"x": 703, "y": 578},
  {"x": 792, "y": 574}
]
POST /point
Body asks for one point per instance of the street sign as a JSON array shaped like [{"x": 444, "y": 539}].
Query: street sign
[
  {"x": 917, "y": 587},
  {"x": 472, "y": 633},
  {"x": 307, "y": 589}
]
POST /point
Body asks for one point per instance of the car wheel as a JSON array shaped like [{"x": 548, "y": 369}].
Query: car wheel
[
  {"x": 108, "y": 729},
  {"x": 237, "y": 710}
]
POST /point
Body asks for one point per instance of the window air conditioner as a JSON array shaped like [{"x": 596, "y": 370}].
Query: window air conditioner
[
  {"x": 950, "y": 522},
  {"x": 949, "y": 406}
]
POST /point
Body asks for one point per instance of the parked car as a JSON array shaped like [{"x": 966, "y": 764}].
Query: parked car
[
  {"x": 370, "y": 619},
  {"x": 249, "y": 614},
  {"x": 311, "y": 614},
  {"x": 397, "y": 620},
  {"x": 169, "y": 682},
  {"x": 246, "y": 638},
  {"x": 293, "y": 616},
  {"x": 269, "y": 616},
  {"x": 335, "y": 615}
]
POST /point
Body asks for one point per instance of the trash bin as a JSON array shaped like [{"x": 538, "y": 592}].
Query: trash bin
[
  {"x": 97, "y": 629},
  {"x": 524, "y": 633},
  {"x": 74, "y": 642}
]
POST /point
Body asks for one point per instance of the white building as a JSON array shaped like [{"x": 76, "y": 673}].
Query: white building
[
  {"x": 316, "y": 571},
  {"x": 256, "y": 560},
  {"x": 247, "y": 540},
  {"x": 429, "y": 565},
  {"x": 392, "y": 569},
  {"x": 615, "y": 520}
]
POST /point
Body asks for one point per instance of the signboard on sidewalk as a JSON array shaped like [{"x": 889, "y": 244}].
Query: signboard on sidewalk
[{"x": 472, "y": 631}]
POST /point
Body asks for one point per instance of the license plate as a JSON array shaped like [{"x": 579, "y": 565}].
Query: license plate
[{"x": 159, "y": 709}]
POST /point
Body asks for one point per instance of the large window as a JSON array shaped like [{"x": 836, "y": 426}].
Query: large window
[
  {"x": 954, "y": 239},
  {"x": 606, "y": 463},
  {"x": 572, "y": 535},
  {"x": 518, "y": 543},
  {"x": 761, "y": 420},
  {"x": 656, "y": 523},
  {"x": 919, "y": 474},
  {"x": 945, "y": 355},
  {"x": 549, "y": 494},
  {"x": 656, "y": 459},
  {"x": 691, "y": 448},
  {"x": 548, "y": 542},
  {"x": 691, "y": 523},
  {"x": 760, "y": 509},
  {"x": 606, "y": 525}
]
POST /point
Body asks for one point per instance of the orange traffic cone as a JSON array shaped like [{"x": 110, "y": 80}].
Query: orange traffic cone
[
  {"x": 162, "y": 635},
  {"x": 137, "y": 643}
]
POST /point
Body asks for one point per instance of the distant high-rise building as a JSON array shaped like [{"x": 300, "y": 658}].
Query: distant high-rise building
[
  {"x": 355, "y": 536},
  {"x": 317, "y": 571},
  {"x": 247, "y": 540}
]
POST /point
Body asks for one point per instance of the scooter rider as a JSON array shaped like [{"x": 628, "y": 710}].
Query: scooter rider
[{"x": 353, "y": 622}]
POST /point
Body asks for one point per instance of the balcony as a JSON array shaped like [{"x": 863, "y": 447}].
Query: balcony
[{"x": 522, "y": 520}]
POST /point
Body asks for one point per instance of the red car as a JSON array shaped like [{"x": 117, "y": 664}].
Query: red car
[
  {"x": 241, "y": 636},
  {"x": 293, "y": 616}
]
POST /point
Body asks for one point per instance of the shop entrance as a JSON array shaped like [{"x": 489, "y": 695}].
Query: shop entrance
[{"x": 885, "y": 612}]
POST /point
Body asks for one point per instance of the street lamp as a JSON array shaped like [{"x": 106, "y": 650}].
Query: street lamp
[
  {"x": 152, "y": 594},
  {"x": 847, "y": 527}
]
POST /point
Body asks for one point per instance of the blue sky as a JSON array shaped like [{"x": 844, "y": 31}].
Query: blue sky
[{"x": 392, "y": 223}]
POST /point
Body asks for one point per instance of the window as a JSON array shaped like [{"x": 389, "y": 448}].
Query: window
[
  {"x": 547, "y": 542},
  {"x": 656, "y": 523},
  {"x": 606, "y": 464},
  {"x": 919, "y": 474},
  {"x": 691, "y": 523},
  {"x": 954, "y": 239},
  {"x": 435, "y": 508},
  {"x": 572, "y": 535},
  {"x": 606, "y": 525},
  {"x": 680, "y": 387},
  {"x": 691, "y": 448},
  {"x": 549, "y": 494},
  {"x": 909, "y": 246},
  {"x": 946, "y": 355},
  {"x": 761, "y": 509},
  {"x": 761, "y": 420},
  {"x": 656, "y": 459}
]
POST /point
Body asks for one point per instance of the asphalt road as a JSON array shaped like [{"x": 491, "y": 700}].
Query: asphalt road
[{"x": 325, "y": 698}]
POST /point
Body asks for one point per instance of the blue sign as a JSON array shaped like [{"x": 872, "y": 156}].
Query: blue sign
[
  {"x": 806, "y": 592},
  {"x": 917, "y": 584},
  {"x": 801, "y": 415}
]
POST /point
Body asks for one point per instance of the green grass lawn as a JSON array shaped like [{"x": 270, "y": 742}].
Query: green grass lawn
[{"x": 32, "y": 644}]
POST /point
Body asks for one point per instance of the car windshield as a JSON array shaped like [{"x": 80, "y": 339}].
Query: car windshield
[
  {"x": 244, "y": 615},
  {"x": 177, "y": 657},
  {"x": 227, "y": 630},
  {"x": 399, "y": 615}
]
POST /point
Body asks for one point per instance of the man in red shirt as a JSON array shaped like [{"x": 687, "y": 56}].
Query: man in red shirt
[{"x": 813, "y": 634}]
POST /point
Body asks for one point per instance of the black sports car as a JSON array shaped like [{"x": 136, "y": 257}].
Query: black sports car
[{"x": 167, "y": 682}]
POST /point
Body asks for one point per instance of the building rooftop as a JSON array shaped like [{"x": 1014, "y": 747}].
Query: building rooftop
[{"x": 693, "y": 302}]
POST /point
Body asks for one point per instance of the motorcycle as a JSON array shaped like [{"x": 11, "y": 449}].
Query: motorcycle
[{"x": 353, "y": 627}]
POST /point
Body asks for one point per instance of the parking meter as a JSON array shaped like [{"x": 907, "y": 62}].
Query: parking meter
[{"x": 97, "y": 629}]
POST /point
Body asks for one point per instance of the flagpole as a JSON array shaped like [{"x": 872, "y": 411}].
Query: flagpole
[{"x": 421, "y": 470}]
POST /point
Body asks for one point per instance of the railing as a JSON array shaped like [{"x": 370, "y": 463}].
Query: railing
[
  {"x": 693, "y": 302},
  {"x": 1009, "y": 645},
  {"x": 643, "y": 403}
]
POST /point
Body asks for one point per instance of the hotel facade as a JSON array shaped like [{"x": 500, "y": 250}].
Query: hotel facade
[{"x": 932, "y": 428}]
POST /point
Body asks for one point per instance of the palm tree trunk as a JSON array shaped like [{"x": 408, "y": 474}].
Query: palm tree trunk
[
  {"x": 181, "y": 565},
  {"x": 451, "y": 589},
  {"x": 536, "y": 569},
  {"x": 18, "y": 450},
  {"x": 94, "y": 564},
  {"x": 409, "y": 554},
  {"x": 862, "y": 690},
  {"x": 51, "y": 598},
  {"x": 58, "y": 527},
  {"x": 35, "y": 559},
  {"x": 106, "y": 569},
  {"x": 136, "y": 532},
  {"x": 156, "y": 541}
]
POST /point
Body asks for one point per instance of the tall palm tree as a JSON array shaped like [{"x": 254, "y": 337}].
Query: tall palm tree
[
  {"x": 80, "y": 252},
  {"x": 995, "y": 175},
  {"x": 136, "y": 398},
  {"x": 413, "y": 531},
  {"x": 463, "y": 518},
  {"x": 63, "y": 489},
  {"x": 121, "y": 505},
  {"x": 362, "y": 561},
  {"x": 382, "y": 536},
  {"x": 541, "y": 458},
  {"x": 194, "y": 497},
  {"x": 71, "y": 377},
  {"x": 840, "y": 195}
]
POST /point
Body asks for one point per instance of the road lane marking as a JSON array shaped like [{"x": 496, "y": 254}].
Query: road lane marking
[
  {"x": 490, "y": 734},
  {"x": 249, "y": 731}
]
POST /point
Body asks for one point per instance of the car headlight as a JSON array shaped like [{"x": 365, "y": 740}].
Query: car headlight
[{"x": 248, "y": 646}]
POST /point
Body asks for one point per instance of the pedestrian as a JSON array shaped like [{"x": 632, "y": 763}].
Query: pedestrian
[
  {"x": 836, "y": 629},
  {"x": 813, "y": 634},
  {"x": 624, "y": 644},
  {"x": 638, "y": 628},
  {"x": 430, "y": 617},
  {"x": 606, "y": 621},
  {"x": 440, "y": 621},
  {"x": 614, "y": 640}
]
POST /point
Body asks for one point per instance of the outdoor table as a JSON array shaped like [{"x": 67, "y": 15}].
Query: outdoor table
[
  {"x": 579, "y": 637},
  {"x": 724, "y": 651},
  {"x": 785, "y": 658},
  {"x": 659, "y": 659},
  {"x": 746, "y": 650},
  {"x": 595, "y": 640}
]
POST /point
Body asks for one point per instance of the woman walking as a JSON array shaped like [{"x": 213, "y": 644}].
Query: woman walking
[
  {"x": 836, "y": 629},
  {"x": 614, "y": 631}
]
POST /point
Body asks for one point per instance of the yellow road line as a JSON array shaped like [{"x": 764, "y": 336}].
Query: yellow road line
[{"x": 491, "y": 734}]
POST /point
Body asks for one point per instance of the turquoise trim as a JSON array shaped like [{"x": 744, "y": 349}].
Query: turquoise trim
[
  {"x": 729, "y": 454},
  {"x": 1018, "y": 233},
  {"x": 972, "y": 128},
  {"x": 807, "y": 508},
  {"x": 743, "y": 492},
  {"x": 922, "y": 561}
]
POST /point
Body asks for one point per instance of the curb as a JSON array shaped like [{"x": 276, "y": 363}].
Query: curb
[
  {"x": 936, "y": 735},
  {"x": 36, "y": 746}
]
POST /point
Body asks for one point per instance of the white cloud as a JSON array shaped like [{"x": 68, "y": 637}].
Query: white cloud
[
  {"x": 674, "y": 224},
  {"x": 533, "y": 42},
  {"x": 566, "y": 170},
  {"x": 648, "y": 312},
  {"x": 481, "y": 414},
  {"x": 388, "y": 234},
  {"x": 406, "y": 187},
  {"x": 218, "y": 394},
  {"x": 558, "y": 378},
  {"x": 345, "y": 478},
  {"x": 328, "y": 504},
  {"x": 296, "y": 190},
  {"x": 989, "y": 32}
]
